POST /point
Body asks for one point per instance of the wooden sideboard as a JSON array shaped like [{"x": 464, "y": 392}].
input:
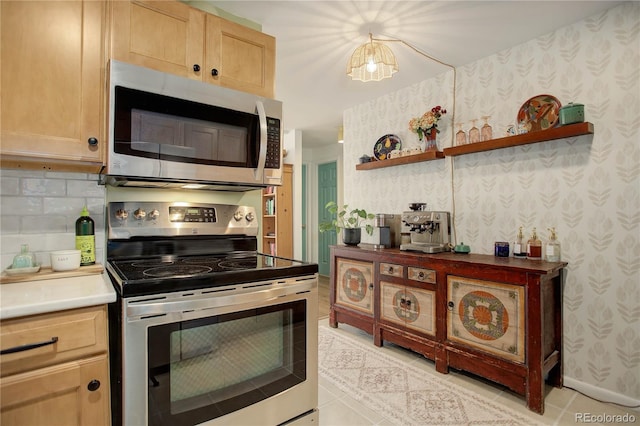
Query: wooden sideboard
[{"x": 498, "y": 318}]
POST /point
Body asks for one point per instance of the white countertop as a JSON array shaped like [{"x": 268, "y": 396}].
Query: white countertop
[{"x": 43, "y": 296}]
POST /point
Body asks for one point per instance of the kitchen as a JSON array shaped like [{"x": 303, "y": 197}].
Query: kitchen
[{"x": 582, "y": 186}]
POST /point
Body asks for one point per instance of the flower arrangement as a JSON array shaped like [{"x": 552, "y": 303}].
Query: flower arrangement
[{"x": 429, "y": 120}]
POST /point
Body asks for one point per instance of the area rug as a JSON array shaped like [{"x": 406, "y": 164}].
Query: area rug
[{"x": 403, "y": 394}]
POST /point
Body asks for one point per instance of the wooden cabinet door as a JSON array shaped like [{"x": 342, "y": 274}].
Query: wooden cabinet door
[
  {"x": 488, "y": 316},
  {"x": 166, "y": 36},
  {"x": 354, "y": 285},
  {"x": 409, "y": 307},
  {"x": 52, "y": 66},
  {"x": 67, "y": 394},
  {"x": 240, "y": 58}
]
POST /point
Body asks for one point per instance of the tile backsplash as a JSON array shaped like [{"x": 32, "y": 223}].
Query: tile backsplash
[{"x": 40, "y": 208}]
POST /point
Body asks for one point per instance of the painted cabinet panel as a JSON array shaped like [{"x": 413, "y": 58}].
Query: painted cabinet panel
[
  {"x": 408, "y": 306},
  {"x": 487, "y": 315},
  {"x": 354, "y": 285}
]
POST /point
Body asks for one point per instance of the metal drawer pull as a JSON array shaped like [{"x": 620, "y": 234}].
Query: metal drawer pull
[{"x": 29, "y": 346}]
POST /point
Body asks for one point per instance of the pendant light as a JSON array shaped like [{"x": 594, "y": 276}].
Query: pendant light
[{"x": 372, "y": 61}]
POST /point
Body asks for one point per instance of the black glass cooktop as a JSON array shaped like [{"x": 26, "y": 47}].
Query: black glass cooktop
[{"x": 157, "y": 274}]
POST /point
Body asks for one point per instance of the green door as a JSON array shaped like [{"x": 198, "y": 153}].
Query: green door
[{"x": 327, "y": 191}]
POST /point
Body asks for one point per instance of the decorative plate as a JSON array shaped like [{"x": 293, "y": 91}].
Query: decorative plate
[
  {"x": 385, "y": 145},
  {"x": 539, "y": 113},
  {"x": 21, "y": 271}
]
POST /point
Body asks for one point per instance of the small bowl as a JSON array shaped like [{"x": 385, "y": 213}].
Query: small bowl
[{"x": 65, "y": 260}]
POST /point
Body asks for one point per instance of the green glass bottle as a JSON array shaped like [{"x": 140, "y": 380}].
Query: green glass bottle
[{"x": 85, "y": 238}]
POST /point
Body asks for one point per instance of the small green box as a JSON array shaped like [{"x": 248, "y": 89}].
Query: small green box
[{"x": 571, "y": 113}]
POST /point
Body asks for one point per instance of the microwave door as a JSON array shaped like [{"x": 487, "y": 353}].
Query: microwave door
[{"x": 262, "y": 151}]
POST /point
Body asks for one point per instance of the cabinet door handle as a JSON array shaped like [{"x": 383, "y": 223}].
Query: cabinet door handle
[
  {"x": 196, "y": 67},
  {"x": 92, "y": 141},
  {"x": 214, "y": 72},
  {"x": 371, "y": 286},
  {"x": 451, "y": 305},
  {"x": 94, "y": 385},
  {"x": 28, "y": 346}
]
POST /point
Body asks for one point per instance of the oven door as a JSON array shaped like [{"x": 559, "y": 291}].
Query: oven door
[{"x": 232, "y": 356}]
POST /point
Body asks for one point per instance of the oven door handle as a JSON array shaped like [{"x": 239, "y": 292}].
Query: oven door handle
[
  {"x": 262, "y": 151},
  {"x": 156, "y": 307}
]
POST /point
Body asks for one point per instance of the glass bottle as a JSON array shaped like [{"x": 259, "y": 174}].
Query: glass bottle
[
  {"x": 85, "y": 238},
  {"x": 25, "y": 259},
  {"x": 552, "y": 252},
  {"x": 534, "y": 247},
  {"x": 518, "y": 247},
  {"x": 461, "y": 136},
  {"x": 474, "y": 133},
  {"x": 486, "y": 133}
]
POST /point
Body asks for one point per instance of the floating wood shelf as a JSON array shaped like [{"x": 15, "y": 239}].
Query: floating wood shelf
[
  {"x": 407, "y": 159},
  {"x": 567, "y": 131}
]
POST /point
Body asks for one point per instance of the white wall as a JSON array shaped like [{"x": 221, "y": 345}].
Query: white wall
[
  {"x": 587, "y": 187},
  {"x": 313, "y": 157}
]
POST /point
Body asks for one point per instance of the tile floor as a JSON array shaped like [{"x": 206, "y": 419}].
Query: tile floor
[{"x": 561, "y": 405}]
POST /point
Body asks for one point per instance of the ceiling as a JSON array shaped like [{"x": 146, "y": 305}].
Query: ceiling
[{"x": 315, "y": 39}]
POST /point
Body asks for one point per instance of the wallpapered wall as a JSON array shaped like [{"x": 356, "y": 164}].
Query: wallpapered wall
[{"x": 587, "y": 187}]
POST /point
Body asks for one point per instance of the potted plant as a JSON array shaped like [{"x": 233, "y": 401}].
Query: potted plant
[{"x": 351, "y": 221}]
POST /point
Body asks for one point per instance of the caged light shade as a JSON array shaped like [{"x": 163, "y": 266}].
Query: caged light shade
[{"x": 372, "y": 62}]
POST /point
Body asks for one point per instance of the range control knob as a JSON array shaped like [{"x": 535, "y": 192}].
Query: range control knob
[
  {"x": 154, "y": 214},
  {"x": 122, "y": 214},
  {"x": 250, "y": 217},
  {"x": 238, "y": 216},
  {"x": 139, "y": 214}
]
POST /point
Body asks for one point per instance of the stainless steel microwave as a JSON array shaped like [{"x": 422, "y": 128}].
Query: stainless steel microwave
[{"x": 171, "y": 131}]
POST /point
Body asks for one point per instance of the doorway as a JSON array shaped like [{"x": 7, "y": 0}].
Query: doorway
[{"x": 327, "y": 191}]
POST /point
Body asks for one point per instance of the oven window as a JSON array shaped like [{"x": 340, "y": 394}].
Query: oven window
[{"x": 206, "y": 368}]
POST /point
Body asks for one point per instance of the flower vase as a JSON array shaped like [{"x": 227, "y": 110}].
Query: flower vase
[
  {"x": 422, "y": 144},
  {"x": 430, "y": 136}
]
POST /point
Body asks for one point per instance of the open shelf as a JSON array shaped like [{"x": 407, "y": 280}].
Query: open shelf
[
  {"x": 570, "y": 130},
  {"x": 407, "y": 159}
]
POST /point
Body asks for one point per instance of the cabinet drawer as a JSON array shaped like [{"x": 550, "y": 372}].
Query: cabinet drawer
[
  {"x": 423, "y": 275},
  {"x": 47, "y": 339},
  {"x": 391, "y": 269}
]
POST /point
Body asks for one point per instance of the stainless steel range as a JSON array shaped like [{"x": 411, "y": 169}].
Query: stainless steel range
[{"x": 206, "y": 330}]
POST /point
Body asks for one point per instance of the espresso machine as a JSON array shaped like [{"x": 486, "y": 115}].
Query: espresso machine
[{"x": 430, "y": 231}]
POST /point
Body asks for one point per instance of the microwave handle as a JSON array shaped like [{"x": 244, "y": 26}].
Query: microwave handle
[{"x": 262, "y": 151}]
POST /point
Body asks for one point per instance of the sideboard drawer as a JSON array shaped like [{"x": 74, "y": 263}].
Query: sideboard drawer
[
  {"x": 422, "y": 275},
  {"x": 391, "y": 270}
]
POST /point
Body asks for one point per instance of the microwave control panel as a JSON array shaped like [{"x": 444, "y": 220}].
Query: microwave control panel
[{"x": 273, "y": 144}]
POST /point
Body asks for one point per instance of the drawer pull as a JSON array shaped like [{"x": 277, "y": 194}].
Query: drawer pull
[
  {"x": 28, "y": 347},
  {"x": 93, "y": 385},
  {"x": 421, "y": 275}
]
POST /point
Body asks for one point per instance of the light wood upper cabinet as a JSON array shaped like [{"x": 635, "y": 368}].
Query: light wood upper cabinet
[
  {"x": 52, "y": 67},
  {"x": 166, "y": 36},
  {"x": 175, "y": 38},
  {"x": 244, "y": 58}
]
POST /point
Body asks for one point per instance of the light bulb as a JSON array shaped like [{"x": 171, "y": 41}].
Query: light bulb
[{"x": 371, "y": 66}]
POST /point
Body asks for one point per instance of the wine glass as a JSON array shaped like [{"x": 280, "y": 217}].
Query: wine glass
[
  {"x": 486, "y": 132},
  {"x": 474, "y": 133},
  {"x": 461, "y": 136}
]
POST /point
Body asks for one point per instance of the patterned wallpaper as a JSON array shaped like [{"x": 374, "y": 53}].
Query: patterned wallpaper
[{"x": 587, "y": 187}]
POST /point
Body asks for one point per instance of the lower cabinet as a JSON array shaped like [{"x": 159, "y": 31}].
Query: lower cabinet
[
  {"x": 352, "y": 293},
  {"x": 408, "y": 307},
  {"x": 55, "y": 369},
  {"x": 498, "y": 318}
]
